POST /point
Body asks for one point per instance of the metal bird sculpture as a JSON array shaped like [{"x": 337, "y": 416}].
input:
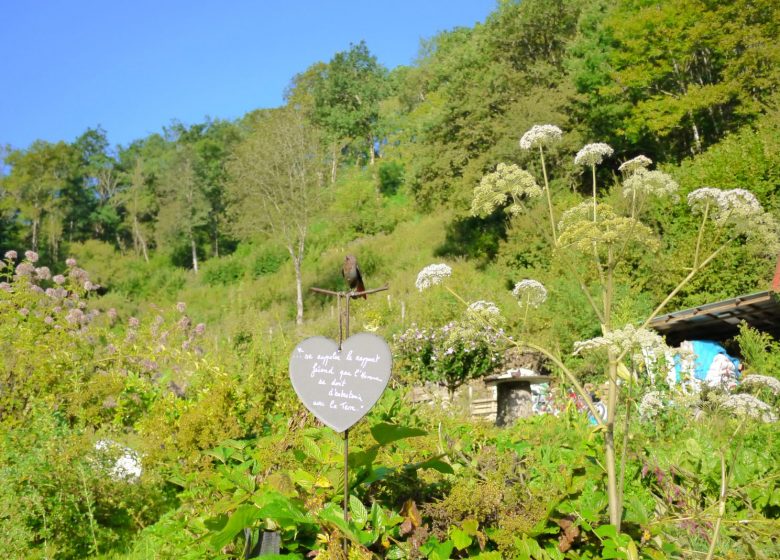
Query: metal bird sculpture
[{"x": 351, "y": 274}]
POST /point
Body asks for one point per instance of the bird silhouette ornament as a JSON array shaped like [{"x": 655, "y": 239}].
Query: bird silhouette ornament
[{"x": 352, "y": 276}]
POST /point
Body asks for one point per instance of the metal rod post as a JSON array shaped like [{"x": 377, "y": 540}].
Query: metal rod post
[
  {"x": 346, "y": 483},
  {"x": 347, "y": 317}
]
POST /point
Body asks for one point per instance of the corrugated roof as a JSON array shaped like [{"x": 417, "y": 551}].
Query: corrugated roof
[{"x": 720, "y": 320}]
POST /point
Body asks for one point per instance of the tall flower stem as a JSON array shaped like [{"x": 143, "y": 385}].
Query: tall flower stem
[
  {"x": 593, "y": 175},
  {"x": 549, "y": 197},
  {"x": 613, "y": 492},
  {"x": 698, "y": 238}
]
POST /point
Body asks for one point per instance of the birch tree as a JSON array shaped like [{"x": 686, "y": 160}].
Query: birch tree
[{"x": 275, "y": 184}]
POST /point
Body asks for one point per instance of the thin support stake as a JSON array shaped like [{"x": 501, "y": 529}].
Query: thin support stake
[
  {"x": 346, "y": 482},
  {"x": 341, "y": 326},
  {"x": 347, "y": 317}
]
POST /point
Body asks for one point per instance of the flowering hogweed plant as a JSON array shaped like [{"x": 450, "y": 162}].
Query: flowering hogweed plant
[
  {"x": 633, "y": 165},
  {"x": 650, "y": 183},
  {"x": 530, "y": 292},
  {"x": 747, "y": 405},
  {"x": 484, "y": 307},
  {"x": 432, "y": 275},
  {"x": 630, "y": 339},
  {"x": 540, "y": 135},
  {"x": 771, "y": 383},
  {"x": 578, "y": 229},
  {"x": 507, "y": 181},
  {"x": 593, "y": 154},
  {"x": 725, "y": 205}
]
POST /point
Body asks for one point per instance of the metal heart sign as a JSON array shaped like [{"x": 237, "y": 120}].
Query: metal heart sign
[{"x": 340, "y": 387}]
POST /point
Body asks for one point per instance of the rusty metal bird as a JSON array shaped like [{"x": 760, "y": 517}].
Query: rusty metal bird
[{"x": 352, "y": 276}]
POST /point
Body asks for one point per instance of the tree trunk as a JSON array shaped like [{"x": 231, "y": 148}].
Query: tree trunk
[
  {"x": 194, "y": 255},
  {"x": 298, "y": 289},
  {"x": 335, "y": 163},
  {"x": 696, "y": 136},
  {"x": 35, "y": 235},
  {"x": 372, "y": 155},
  {"x": 138, "y": 239}
]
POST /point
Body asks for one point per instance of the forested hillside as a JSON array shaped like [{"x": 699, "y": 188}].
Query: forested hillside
[{"x": 624, "y": 155}]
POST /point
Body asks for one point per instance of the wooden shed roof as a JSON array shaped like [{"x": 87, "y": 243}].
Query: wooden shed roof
[{"x": 720, "y": 320}]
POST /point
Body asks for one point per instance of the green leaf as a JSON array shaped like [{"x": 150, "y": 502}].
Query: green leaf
[
  {"x": 693, "y": 448},
  {"x": 387, "y": 433},
  {"x": 441, "y": 551},
  {"x": 312, "y": 449},
  {"x": 395, "y": 553},
  {"x": 437, "y": 465},
  {"x": 460, "y": 538},
  {"x": 470, "y": 526},
  {"x": 365, "y": 458},
  {"x": 243, "y": 517},
  {"x": 378, "y": 474},
  {"x": 607, "y": 532},
  {"x": 358, "y": 511},
  {"x": 216, "y": 523},
  {"x": 333, "y": 514}
]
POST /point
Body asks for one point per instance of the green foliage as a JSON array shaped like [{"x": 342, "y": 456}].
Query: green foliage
[
  {"x": 449, "y": 355},
  {"x": 222, "y": 438},
  {"x": 759, "y": 350},
  {"x": 391, "y": 177}
]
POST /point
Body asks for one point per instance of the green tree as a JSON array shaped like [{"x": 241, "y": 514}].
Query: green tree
[
  {"x": 184, "y": 206},
  {"x": 100, "y": 182},
  {"x": 679, "y": 73},
  {"x": 138, "y": 203},
  {"x": 37, "y": 180},
  {"x": 347, "y": 93},
  {"x": 275, "y": 184}
]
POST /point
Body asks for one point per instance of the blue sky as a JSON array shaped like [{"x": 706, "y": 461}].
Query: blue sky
[{"x": 133, "y": 66}]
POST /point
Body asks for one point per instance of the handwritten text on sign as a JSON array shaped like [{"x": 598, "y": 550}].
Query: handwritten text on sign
[{"x": 340, "y": 387}]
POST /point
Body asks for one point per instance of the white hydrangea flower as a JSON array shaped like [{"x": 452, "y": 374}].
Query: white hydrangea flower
[
  {"x": 772, "y": 383},
  {"x": 126, "y": 462},
  {"x": 540, "y": 135},
  {"x": 625, "y": 340},
  {"x": 635, "y": 164},
  {"x": 432, "y": 275},
  {"x": 593, "y": 154},
  {"x": 747, "y": 405},
  {"x": 652, "y": 183},
  {"x": 530, "y": 292}
]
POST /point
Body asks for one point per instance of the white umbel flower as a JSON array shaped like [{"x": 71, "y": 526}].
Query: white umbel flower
[
  {"x": 487, "y": 307},
  {"x": 593, "y": 154},
  {"x": 650, "y": 183},
  {"x": 540, "y": 135},
  {"x": 531, "y": 292},
  {"x": 432, "y": 275},
  {"x": 624, "y": 340},
  {"x": 743, "y": 404},
  {"x": 635, "y": 164},
  {"x": 771, "y": 383}
]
